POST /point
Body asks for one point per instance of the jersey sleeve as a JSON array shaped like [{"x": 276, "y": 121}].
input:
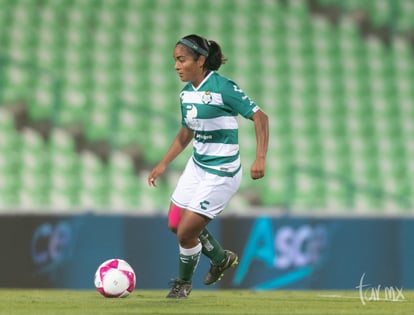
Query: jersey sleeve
[
  {"x": 234, "y": 97},
  {"x": 183, "y": 122}
]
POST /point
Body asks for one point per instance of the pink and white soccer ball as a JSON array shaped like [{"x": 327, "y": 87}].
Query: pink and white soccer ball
[{"x": 115, "y": 278}]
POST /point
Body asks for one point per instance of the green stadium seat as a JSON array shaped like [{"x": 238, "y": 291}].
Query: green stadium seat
[
  {"x": 64, "y": 168},
  {"x": 124, "y": 185},
  {"x": 9, "y": 162},
  {"x": 94, "y": 182},
  {"x": 34, "y": 192},
  {"x": 152, "y": 199},
  {"x": 406, "y": 11},
  {"x": 43, "y": 99},
  {"x": 4, "y": 21},
  {"x": 35, "y": 175},
  {"x": 339, "y": 195},
  {"x": 9, "y": 191},
  {"x": 380, "y": 12},
  {"x": 101, "y": 123},
  {"x": 132, "y": 128}
]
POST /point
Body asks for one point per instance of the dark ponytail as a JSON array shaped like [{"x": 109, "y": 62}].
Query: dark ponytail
[
  {"x": 198, "y": 46},
  {"x": 215, "y": 57}
]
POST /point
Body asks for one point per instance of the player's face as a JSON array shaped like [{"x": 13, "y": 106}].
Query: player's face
[{"x": 188, "y": 69}]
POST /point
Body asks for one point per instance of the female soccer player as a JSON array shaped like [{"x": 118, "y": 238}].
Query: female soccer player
[{"x": 210, "y": 104}]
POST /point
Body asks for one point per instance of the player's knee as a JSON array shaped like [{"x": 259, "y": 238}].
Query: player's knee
[{"x": 185, "y": 240}]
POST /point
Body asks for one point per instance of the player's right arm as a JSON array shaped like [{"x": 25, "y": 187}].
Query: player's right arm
[
  {"x": 181, "y": 141},
  {"x": 261, "y": 125}
]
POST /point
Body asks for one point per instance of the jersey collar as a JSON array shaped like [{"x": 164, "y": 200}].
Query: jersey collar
[{"x": 202, "y": 82}]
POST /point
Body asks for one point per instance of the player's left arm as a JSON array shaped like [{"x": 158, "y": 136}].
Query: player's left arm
[
  {"x": 242, "y": 104},
  {"x": 261, "y": 126}
]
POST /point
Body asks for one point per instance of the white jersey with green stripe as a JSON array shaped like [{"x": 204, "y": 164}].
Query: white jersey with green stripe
[{"x": 211, "y": 111}]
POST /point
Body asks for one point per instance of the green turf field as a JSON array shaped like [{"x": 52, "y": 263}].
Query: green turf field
[{"x": 60, "y": 302}]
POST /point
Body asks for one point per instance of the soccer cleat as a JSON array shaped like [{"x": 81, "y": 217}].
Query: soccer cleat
[
  {"x": 180, "y": 289},
  {"x": 216, "y": 271}
]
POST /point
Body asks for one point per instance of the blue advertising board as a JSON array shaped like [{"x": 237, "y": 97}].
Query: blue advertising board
[
  {"x": 317, "y": 253},
  {"x": 64, "y": 251},
  {"x": 274, "y": 252}
]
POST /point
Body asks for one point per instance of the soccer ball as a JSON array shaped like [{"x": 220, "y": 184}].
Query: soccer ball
[{"x": 115, "y": 278}]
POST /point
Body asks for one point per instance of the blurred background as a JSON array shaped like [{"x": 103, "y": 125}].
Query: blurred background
[{"x": 89, "y": 103}]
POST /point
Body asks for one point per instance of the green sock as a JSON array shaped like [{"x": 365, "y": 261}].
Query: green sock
[
  {"x": 189, "y": 258},
  {"x": 211, "y": 247}
]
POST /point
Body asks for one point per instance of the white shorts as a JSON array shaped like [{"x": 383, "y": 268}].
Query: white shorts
[{"x": 203, "y": 192}]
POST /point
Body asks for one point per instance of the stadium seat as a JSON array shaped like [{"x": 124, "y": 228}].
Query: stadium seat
[
  {"x": 64, "y": 168},
  {"x": 35, "y": 176},
  {"x": 94, "y": 182},
  {"x": 9, "y": 161}
]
